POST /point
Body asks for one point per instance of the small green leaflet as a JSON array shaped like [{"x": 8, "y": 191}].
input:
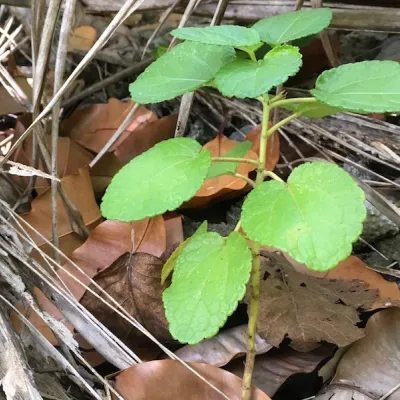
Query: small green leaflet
[
  {"x": 170, "y": 264},
  {"x": 367, "y": 86},
  {"x": 246, "y": 78},
  {"x": 224, "y": 168},
  {"x": 183, "y": 69},
  {"x": 209, "y": 279},
  {"x": 313, "y": 110},
  {"x": 158, "y": 180},
  {"x": 225, "y": 35},
  {"x": 315, "y": 217},
  {"x": 159, "y": 51},
  {"x": 284, "y": 28}
]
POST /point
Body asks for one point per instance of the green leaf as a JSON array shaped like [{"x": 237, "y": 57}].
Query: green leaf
[
  {"x": 159, "y": 51},
  {"x": 313, "y": 110},
  {"x": 158, "y": 180},
  {"x": 209, "y": 279},
  {"x": 246, "y": 78},
  {"x": 170, "y": 264},
  {"x": 183, "y": 69},
  {"x": 284, "y": 28},
  {"x": 315, "y": 217},
  {"x": 368, "y": 86},
  {"x": 225, "y": 35},
  {"x": 224, "y": 168}
]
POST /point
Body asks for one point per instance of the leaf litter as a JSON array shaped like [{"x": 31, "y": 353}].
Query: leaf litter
[{"x": 134, "y": 280}]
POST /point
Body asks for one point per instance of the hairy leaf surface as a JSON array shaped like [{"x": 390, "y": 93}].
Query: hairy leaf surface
[
  {"x": 315, "y": 217},
  {"x": 157, "y": 181},
  {"x": 209, "y": 279}
]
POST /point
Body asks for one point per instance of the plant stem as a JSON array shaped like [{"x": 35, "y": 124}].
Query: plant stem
[
  {"x": 298, "y": 100},
  {"x": 252, "y": 55},
  {"x": 263, "y": 141},
  {"x": 273, "y": 176},
  {"x": 234, "y": 159},
  {"x": 253, "y": 316},
  {"x": 245, "y": 178},
  {"x": 282, "y": 123},
  {"x": 256, "y": 267}
]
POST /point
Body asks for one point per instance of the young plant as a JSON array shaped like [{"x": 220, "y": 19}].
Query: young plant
[{"x": 315, "y": 216}]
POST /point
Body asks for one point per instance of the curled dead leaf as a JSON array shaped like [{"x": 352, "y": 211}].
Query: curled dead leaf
[
  {"x": 272, "y": 369},
  {"x": 222, "y": 348},
  {"x": 354, "y": 269},
  {"x": 371, "y": 367},
  {"x": 307, "y": 309},
  {"x": 170, "y": 380},
  {"x": 78, "y": 188},
  {"x": 93, "y": 126},
  {"x": 70, "y": 158}
]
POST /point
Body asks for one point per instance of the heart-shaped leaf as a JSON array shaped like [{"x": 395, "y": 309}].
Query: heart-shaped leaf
[
  {"x": 284, "y": 28},
  {"x": 368, "y": 86},
  {"x": 224, "y": 168},
  {"x": 183, "y": 69},
  {"x": 157, "y": 181},
  {"x": 247, "y": 78},
  {"x": 315, "y": 217},
  {"x": 209, "y": 279},
  {"x": 226, "y": 35}
]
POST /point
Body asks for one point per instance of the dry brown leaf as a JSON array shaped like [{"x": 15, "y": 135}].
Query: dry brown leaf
[
  {"x": 170, "y": 380},
  {"x": 272, "y": 369},
  {"x": 93, "y": 126},
  {"x": 222, "y": 348},
  {"x": 273, "y": 146},
  {"x": 307, "y": 309},
  {"x": 8, "y": 105},
  {"x": 78, "y": 188},
  {"x": 354, "y": 269},
  {"x": 70, "y": 158},
  {"x": 134, "y": 282},
  {"x": 225, "y": 186},
  {"x": 105, "y": 245},
  {"x": 371, "y": 367},
  {"x": 82, "y": 38}
]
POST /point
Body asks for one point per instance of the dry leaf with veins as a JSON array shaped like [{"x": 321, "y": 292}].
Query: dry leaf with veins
[{"x": 309, "y": 310}]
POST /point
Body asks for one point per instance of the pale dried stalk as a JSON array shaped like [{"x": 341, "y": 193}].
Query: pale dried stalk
[
  {"x": 104, "y": 297},
  {"x": 129, "y": 7},
  {"x": 61, "y": 59}
]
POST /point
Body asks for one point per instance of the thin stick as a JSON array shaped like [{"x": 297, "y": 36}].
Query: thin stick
[
  {"x": 127, "y": 121},
  {"x": 163, "y": 18},
  {"x": 61, "y": 59},
  {"x": 128, "y": 7},
  {"x": 135, "y": 69}
]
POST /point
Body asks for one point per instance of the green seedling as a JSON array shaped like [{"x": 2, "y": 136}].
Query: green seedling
[{"x": 315, "y": 216}]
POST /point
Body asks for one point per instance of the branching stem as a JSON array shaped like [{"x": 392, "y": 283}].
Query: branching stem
[
  {"x": 283, "y": 122},
  {"x": 295, "y": 100},
  {"x": 273, "y": 176},
  {"x": 234, "y": 159},
  {"x": 245, "y": 178}
]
